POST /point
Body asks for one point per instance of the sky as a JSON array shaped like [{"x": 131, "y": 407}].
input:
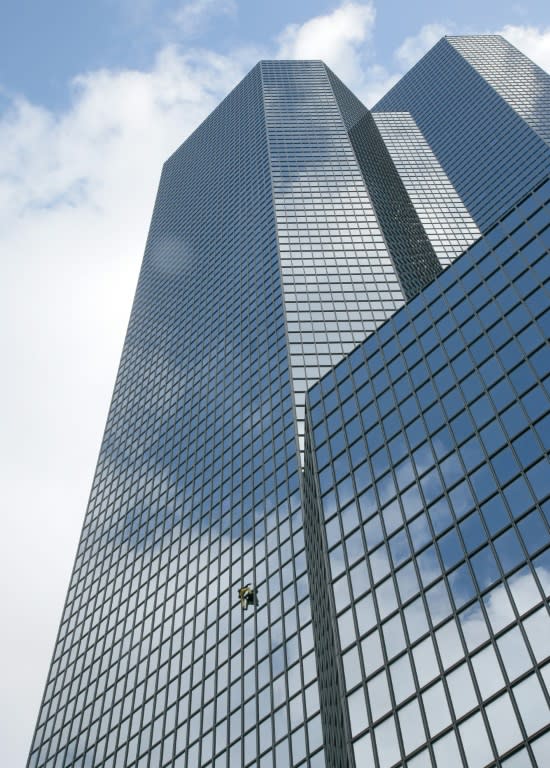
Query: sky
[{"x": 93, "y": 98}]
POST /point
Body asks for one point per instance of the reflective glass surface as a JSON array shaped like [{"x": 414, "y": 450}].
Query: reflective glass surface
[
  {"x": 483, "y": 108},
  {"x": 517, "y": 79},
  {"x": 339, "y": 281},
  {"x": 428, "y": 512},
  {"x": 410, "y": 247},
  {"x": 196, "y": 494},
  {"x": 399, "y": 579},
  {"x": 444, "y": 216}
]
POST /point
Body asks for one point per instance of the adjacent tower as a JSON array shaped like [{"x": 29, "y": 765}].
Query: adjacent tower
[
  {"x": 483, "y": 108},
  {"x": 427, "y": 511},
  {"x": 288, "y": 228}
]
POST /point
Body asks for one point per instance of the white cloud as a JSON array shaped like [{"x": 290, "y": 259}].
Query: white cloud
[
  {"x": 413, "y": 48},
  {"x": 532, "y": 41},
  {"x": 192, "y": 16},
  {"x": 336, "y": 38},
  {"x": 375, "y": 82},
  {"x": 339, "y": 38}
]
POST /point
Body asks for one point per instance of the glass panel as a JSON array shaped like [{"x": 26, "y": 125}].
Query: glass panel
[
  {"x": 514, "y": 653},
  {"x": 438, "y": 602},
  {"x": 519, "y": 759},
  {"x": 537, "y": 627},
  {"x": 363, "y": 752},
  {"x": 379, "y": 695},
  {"x": 545, "y": 673},
  {"x": 346, "y": 628},
  {"x": 364, "y": 611},
  {"x": 447, "y": 753},
  {"x": 524, "y": 590},
  {"x": 449, "y": 644},
  {"x": 475, "y": 742},
  {"x": 352, "y": 668},
  {"x": 532, "y": 704},
  {"x": 422, "y": 760},
  {"x": 461, "y": 688},
  {"x": 509, "y": 550},
  {"x": 436, "y": 708},
  {"x": 394, "y": 637},
  {"x": 541, "y": 748},
  {"x": 487, "y": 671},
  {"x": 407, "y": 582},
  {"x": 503, "y": 722},
  {"x": 499, "y": 608},
  {"x": 416, "y": 619},
  {"x": 357, "y": 709},
  {"x": 425, "y": 661},
  {"x": 386, "y": 598},
  {"x": 485, "y": 568},
  {"x": 412, "y": 728},
  {"x": 371, "y": 650},
  {"x": 402, "y": 678},
  {"x": 473, "y": 626},
  {"x": 387, "y": 744}
]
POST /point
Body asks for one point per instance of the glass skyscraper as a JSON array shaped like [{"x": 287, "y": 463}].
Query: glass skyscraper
[
  {"x": 317, "y": 401},
  {"x": 427, "y": 512}
]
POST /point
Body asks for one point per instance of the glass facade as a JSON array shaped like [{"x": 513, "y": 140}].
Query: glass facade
[
  {"x": 196, "y": 494},
  {"x": 410, "y": 247},
  {"x": 339, "y": 281},
  {"x": 444, "y": 216},
  {"x": 287, "y": 228},
  {"x": 518, "y": 80},
  {"x": 428, "y": 512},
  {"x": 481, "y": 106}
]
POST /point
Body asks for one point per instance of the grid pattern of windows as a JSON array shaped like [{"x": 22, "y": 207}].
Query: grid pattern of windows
[
  {"x": 409, "y": 246},
  {"x": 430, "y": 444},
  {"x": 476, "y": 129},
  {"x": 406, "y": 609},
  {"x": 338, "y": 279},
  {"x": 335, "y": 721},
  {"x": 520, "y": 82},
  {"x": 196, "y": 493},
  {"x": 444, "y": 216}
]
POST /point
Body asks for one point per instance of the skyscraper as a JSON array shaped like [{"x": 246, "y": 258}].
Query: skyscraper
[
  {"x": 427, "y": 513},
  {"x": 484, "y": 110},
  {"x": 391, "y": 523}
]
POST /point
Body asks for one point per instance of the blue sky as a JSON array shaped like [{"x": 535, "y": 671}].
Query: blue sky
[
  {"x": 43, "y": 46},
  {"x": 93, "y": 97}
]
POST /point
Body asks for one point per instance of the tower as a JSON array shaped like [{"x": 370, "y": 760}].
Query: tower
[
  {"x": 484, "y": 110},
  {"x": 427, "y": 517},
  {"x": 285, "y": 231}
]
